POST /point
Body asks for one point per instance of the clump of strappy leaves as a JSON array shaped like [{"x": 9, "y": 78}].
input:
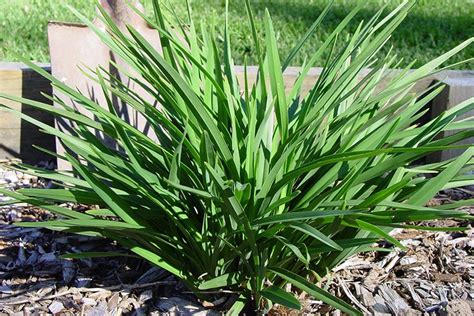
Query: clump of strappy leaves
[{"x": 245, "y": 183}]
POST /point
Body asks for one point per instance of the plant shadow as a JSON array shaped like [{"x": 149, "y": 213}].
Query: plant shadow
[{"x": 34, "y": 276}]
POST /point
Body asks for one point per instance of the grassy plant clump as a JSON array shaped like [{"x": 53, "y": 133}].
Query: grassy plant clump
[{"x": 246, "y": 186}]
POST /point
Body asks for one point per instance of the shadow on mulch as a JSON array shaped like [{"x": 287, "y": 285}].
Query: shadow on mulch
[{"x": 34, "y": 278}]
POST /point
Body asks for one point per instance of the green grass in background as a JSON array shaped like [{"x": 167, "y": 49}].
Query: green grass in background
[{"x": 433, "y": 27}]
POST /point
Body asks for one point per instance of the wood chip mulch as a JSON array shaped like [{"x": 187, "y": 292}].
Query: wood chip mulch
[
  {"x": 34, "y": 280},
  {"x": 433, "y": 276}
]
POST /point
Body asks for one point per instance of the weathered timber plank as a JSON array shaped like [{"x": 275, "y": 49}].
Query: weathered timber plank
[
  {"x": 456, "y": 91},
  {"x": 17, "y": 136}
]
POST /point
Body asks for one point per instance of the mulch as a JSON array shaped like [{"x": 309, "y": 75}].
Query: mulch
[{"x": 434, "y": 275}]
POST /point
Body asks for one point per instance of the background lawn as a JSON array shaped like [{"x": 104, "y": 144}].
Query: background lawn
[{"x": 433, "y": 27}]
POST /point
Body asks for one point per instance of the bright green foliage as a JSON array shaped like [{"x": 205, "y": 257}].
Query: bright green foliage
[{"x": 253, "y": 186}]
